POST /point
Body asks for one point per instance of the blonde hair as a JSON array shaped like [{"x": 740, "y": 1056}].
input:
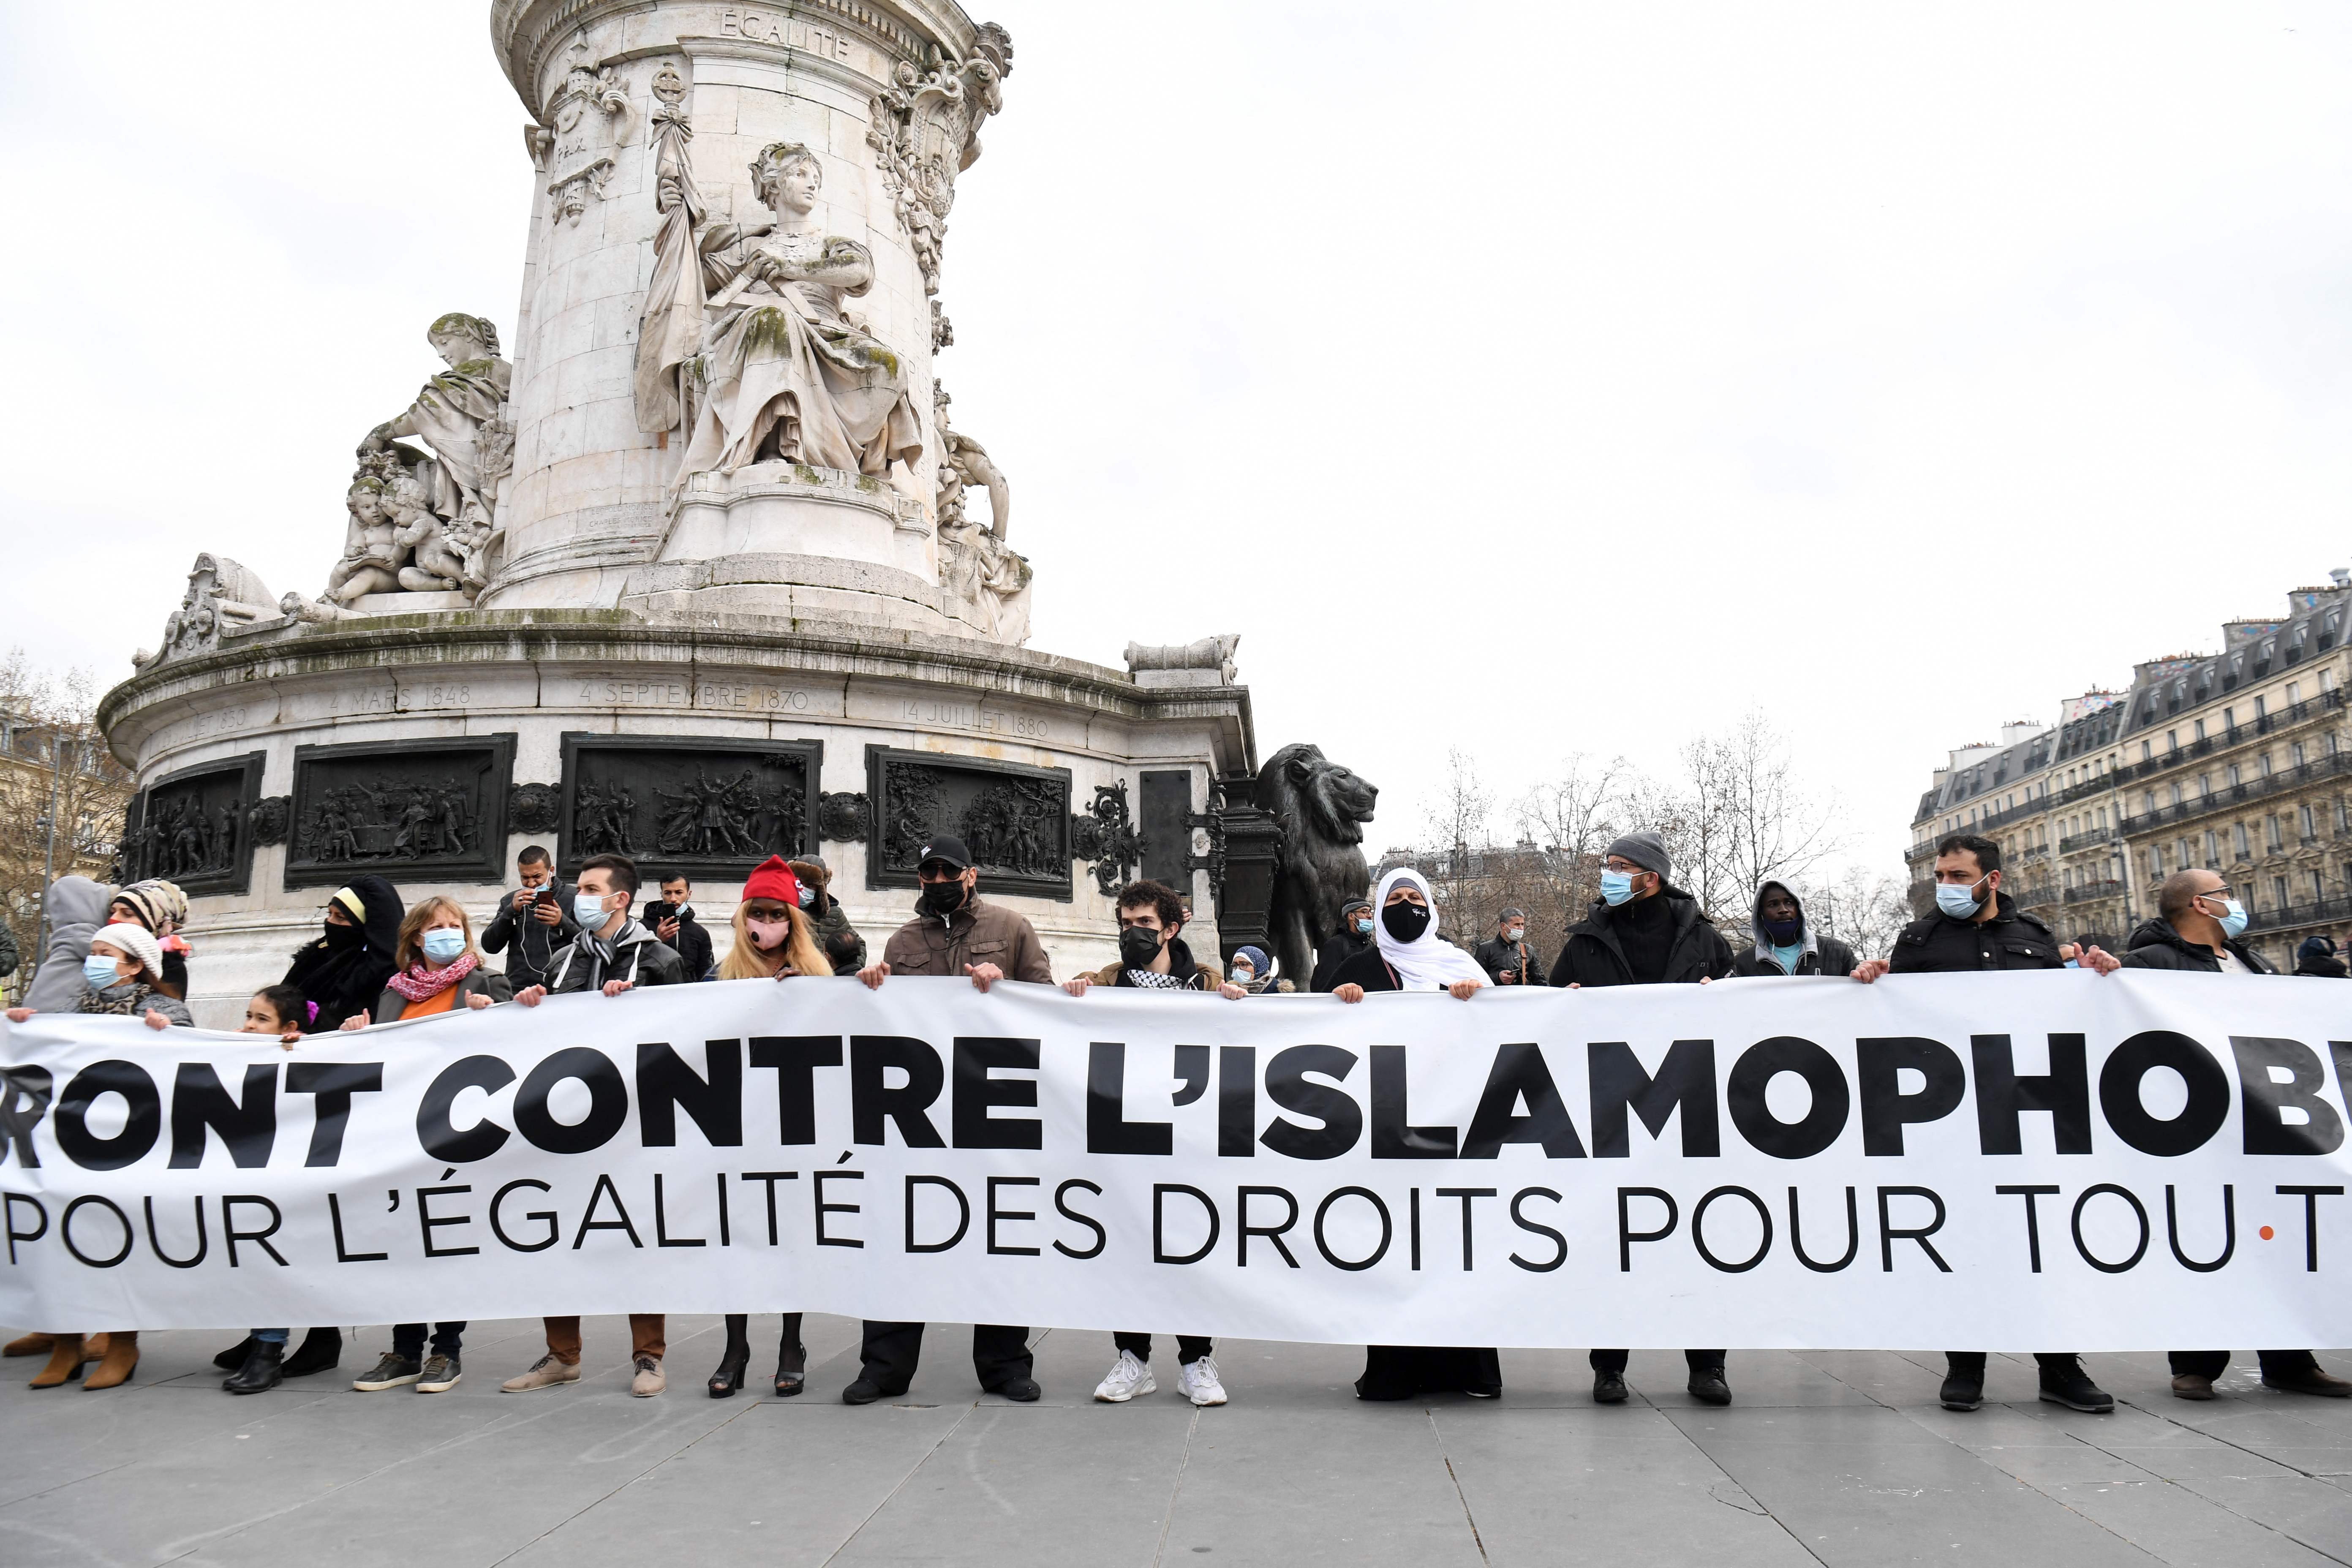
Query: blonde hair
[
  {"x": 410, "y": 948},
  {"x": 747, "y": 961}
]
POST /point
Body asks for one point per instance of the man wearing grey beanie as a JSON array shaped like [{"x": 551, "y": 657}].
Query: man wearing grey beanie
[{"x": 1645, "y": 932}]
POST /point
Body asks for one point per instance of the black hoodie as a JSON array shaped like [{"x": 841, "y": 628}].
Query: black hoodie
[
  {"x": 344, "y": 976},
  {"x": 1822, "y": 955},
  {"x": 2156, "y": 945}
]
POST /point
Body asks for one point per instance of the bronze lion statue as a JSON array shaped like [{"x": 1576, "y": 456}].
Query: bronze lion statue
[{"x": 1321, "y": 808}]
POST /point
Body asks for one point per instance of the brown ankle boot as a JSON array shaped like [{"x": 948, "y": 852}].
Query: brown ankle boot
[
  {"x": 30, "y": 1344},
  {"x": 114, "y": 1367},
  {"x": 65, "y": 1362}
]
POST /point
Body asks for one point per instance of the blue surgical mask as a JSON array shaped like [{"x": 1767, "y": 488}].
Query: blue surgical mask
[
  {"x": 2234, "y": 922},
  {"x": 98, "y": 971},
  {"x": 1616, "y": 886},
  {"x": 588, "y": 908},
  {"x": 443, "y": 945},
  {"x": 1957, "y": 900},
  {"x": 1364, "y": 925}
]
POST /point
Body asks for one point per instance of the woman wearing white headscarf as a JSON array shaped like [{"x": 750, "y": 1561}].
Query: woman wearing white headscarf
[{"x": 1406, "y": 956}]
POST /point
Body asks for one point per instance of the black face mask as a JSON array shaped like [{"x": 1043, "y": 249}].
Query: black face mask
[
  {"x": 1138, "y": 947},
  {"x": 1405, "y": 921},
  {"x": 1784, "y": 933},
  {"x": 340, "y": 936},
  {"x": 943, "y": 898}
]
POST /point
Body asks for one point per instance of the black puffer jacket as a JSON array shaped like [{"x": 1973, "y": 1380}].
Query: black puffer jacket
[
  {"x": 1593, "y": 955},
  {"x": 2156, "y": 945},
  {"x": 1938, "y": 944},
  {"x": 1822, "y": 955}
]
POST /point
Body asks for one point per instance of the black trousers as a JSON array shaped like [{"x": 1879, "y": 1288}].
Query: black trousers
[
  {"x": 892, "y": 1351},
  {"x": 1971, "y": 1363},
  {"x": 1189, "y": 1347},
  {"x": 1614, "y": 1361},
  {"x": 409, "y": 1339},
  {"x": 2213, "y": 1364}
]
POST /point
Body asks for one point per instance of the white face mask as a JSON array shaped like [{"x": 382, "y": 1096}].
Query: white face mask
[{"x": 589, "y": 910}]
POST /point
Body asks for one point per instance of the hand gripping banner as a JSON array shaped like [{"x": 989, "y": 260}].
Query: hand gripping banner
[{"x": 2011, "y": 1161}]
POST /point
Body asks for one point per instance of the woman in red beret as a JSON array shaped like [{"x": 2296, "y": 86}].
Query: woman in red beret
[{"x": 773, "y": 940}]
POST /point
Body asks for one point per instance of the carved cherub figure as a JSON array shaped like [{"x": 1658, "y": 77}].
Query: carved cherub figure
[
  {"x": 373, "y": 555},
  {"x": 439, "y": 567}
]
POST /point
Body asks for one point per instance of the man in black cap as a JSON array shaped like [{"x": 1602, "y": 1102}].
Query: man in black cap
[
  {"x": 1354, "y": 935},
  {"x": 1505, "y": 956},
  {"x": 1645, "y": 932},
  {"x": 954, "y": 932}
]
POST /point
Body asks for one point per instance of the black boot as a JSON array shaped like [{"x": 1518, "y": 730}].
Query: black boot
[
  {"x": 792, "y": 1358},
  {"x": 2066, "y": 1383},
  {"x": 234, "y": 1357},
  {"x": 262, "y": 1370},
  {"x": 321, "y": 1348},
  {"x": 728, "y": 1378}
]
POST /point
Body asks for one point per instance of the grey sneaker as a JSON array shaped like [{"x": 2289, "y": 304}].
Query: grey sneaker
[
  {"x": 440, "y": 1374},
  {"x": 390, "y": 1373}
]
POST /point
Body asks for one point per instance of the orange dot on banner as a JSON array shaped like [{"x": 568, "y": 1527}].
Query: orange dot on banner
[{"x": 2267, "y": 1233}]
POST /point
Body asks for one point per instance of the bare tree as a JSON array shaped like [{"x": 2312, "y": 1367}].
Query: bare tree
[
  {"x": 1737, "y": 818},
  {"x": 1863, "y": 909},
  {"x": 1457, "y": 827},
  {"x": 1570, "y": 817},
  {"x": 53, "y": 769}
]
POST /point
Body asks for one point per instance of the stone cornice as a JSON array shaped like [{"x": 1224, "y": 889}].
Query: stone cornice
[
  {"x": 457, "y": 641},
  {"x": 525, "y": 33}
]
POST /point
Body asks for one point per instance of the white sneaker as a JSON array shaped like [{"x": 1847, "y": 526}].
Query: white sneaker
[
  {"x": 1197, "y": 1381},
  {"x": 1128, "y": 1377}
]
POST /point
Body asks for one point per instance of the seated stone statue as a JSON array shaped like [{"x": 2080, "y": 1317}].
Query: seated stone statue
[
  {"x": 436, "y": 566},
  {"x": 783, "y": 373},
  {"x": 461, "y": 415}
]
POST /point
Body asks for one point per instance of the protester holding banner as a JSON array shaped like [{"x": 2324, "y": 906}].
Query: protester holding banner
[
  {"x": 844, "y": 948},
  {"x": 1354, "y": 935},
  {"x": 441, "y": 970},
  {"x": 775, "y": 940},
  {"x": 1152, "y": 957},
  {"x": 1406, "y": 954},
  {"x": 1977, "y": 928},
  {"x": 1786, "y": 941},
  {"x": 953, "y": 932},
  {"x": 1645, "y": 930},
  {"x": 2196, "y": 932},
  {"x": 345, "y": 970},
  {"x": 612, "y": 954}
]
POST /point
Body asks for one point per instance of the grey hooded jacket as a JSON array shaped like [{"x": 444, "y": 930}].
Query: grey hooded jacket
[{"x": 76, "y": 908}]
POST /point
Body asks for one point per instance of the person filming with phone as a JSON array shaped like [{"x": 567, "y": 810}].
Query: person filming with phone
[{"x": 534, "y": 923}]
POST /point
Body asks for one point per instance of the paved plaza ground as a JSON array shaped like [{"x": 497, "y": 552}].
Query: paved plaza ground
[{"x": 1830, "y": 1457}]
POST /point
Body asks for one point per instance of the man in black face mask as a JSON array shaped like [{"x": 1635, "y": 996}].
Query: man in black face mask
[
  {"x": 1152, "y": 957},
  {"x": 953, "y": 932}
]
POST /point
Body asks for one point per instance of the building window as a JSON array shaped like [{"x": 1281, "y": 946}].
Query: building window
[
  {"x": 2187, "y": 853},
  {"x": 2212, "y": 848},
  {"x": 2238, "y": 841},
  {"x": 2172, "y": 740},
  {"x": 2270, "y": 833},
  {"x": 2205, "y": 786},
  {"x": 2228, "y": 718},
  {"x": 2318, "y": 887},
  {"x": 2294, "y": 692},
  {"x": 2327, "y": 681},
  {"x": 2155, "y": 862},
  {"x": 2148, "y": 801},
  {"x": 2176, "y": 795},
  {"x": 2236, "y": 778},
  {"x": 2262, "y": 709},
  {"x": 2342, "y": 814},
  {"x": 2103, "y": 819},
  {"x": 2264, "y": 761},
  {"x": 2278, "y": 891},
  {"x": 2310, "y": 827},
  {"x": 2201, "y": 728},
  {"x": 2297, "y": 749}
]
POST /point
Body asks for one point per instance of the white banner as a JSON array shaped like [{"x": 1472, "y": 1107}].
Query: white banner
[{"x": 2012, "y": 1162}]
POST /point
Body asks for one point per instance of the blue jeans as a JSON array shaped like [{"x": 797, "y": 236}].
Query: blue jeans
[{"x": 409, "y": 1339}]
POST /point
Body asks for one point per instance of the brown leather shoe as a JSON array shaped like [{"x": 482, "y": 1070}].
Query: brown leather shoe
[
  {"x": 65, "y": 1362},
  {"x": 2310, "y": 1380},
  {"x": 114, "y": 1366},
  {"x": 2190, "y": 1385},
  {"x": 30, "y": 1344}
]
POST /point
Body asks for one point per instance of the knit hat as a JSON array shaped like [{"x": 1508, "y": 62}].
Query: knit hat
[
  {"x": 1647, "y": 850},
  {"x": 1254, "y": 957},
  {"x": 1352, "y": 905},
  {"x": 134, "y": 940},
  {"x": 2315, "y": 947},
  {"x": 771, "y": 879},
  {"x": 157, "y": 901}
]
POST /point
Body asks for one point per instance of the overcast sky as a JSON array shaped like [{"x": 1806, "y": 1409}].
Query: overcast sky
[{"x": 1526, "y": 379}]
